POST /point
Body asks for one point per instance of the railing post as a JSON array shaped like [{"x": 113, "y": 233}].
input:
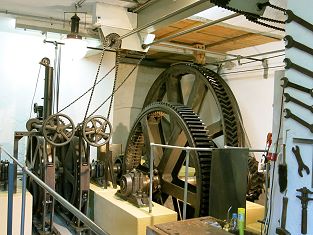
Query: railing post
[
  {"x": 151, "y": 177},
  {"x": 186, "y": 183},
  {"x": 23, "y": 203},
  {"x": 10, "y": 198}
]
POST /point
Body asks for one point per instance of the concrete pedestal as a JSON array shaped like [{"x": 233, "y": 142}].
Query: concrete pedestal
[
  {"x": 119, "y": 217},
  {"x": 17, "y": 204},
  {"x": 255, "y": 213}
]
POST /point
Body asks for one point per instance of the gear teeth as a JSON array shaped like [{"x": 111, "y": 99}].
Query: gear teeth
[{"x": 200, "y": 139}]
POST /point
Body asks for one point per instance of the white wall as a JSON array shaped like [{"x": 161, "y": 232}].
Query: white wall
[
  {"x": 20, "y": 55},
  {"x": 253, "y": 92}
]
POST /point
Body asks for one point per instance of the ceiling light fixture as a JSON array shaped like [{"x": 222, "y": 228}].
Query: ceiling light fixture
[
  {"x": 75, "y": 46},
  {"x": 74, "y": 27}
]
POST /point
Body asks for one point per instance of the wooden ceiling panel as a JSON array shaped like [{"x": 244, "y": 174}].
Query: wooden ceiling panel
[
  {"x": 221, "y": 31},
  {"x": 252, "y": 40},
  {"x": 198, "y": 38},
  {"x": 216, "y": 38},
  {"x": 185, "y": 23},
  {"x": 256, "y": 39}
]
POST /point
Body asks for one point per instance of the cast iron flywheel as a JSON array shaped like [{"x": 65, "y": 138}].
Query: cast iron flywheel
[{"x": 208, "y": 95}]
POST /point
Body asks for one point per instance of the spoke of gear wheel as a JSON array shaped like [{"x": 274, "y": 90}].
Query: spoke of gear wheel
[{"x": 188, "y": 130}]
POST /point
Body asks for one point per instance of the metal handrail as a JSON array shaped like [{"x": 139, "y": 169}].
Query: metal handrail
[{"x": 88, "y": 222}]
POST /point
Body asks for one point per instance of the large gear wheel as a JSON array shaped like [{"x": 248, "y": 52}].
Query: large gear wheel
[
  {"x": 210, "y": 97},
  {"x": 178, "y": 125}
]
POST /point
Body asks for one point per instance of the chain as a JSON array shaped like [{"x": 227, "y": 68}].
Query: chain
[
  {"x": 268, "y": 4},
  {"x": 254, "y": 17},
  {"x": 117, "y": 62},
  {"x": 119, "y": 86},
  {"x": 95, "y": 83}
]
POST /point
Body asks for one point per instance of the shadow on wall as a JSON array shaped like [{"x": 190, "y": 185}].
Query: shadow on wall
[
  {"x": 121, "y": 134},
  {"x": 145, "y": 79}
]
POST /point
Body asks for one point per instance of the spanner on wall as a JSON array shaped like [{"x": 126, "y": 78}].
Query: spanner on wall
[{"x": 301, "y": 165}]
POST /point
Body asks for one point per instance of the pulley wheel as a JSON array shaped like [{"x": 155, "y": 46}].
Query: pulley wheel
[
  {"x": 58, "y": 129},
  {"x": 94, "y": 130}
]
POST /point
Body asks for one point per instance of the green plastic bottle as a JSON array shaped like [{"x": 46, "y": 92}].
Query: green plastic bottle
[{"x": 241, "y": 220}]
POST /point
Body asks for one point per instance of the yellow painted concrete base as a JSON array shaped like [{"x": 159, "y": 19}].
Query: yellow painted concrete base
[
  {"x": 17, "y": 204},
  {"x": 254, "y": 213},
  {"x": 119, "y": 217}
]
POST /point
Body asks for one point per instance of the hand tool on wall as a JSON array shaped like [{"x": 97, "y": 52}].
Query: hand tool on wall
[
  {"x": 289, "y": 114},
  {"x": 282, "y": 229},
  {"x": 290, "y": 42},
  {"x": 304, "y": 198},
  {"x": 301, "y": 165},
  {"x": 290, "y": 65},
  {"x": 297, "y": 19},
  {"x": 289, "y": 98},
  {"x": 287, "y": 83},
  {"x": 282, "y": 172},
  {"x": 308, "y": 141}
]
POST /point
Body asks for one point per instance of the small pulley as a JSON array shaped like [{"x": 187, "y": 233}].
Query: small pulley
[
  {"x": 58, "y": 129},
  {"x": 94, "y": 130}
]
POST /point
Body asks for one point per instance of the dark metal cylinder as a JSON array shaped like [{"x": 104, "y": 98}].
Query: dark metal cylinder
[{"x": 48, "y": 94}]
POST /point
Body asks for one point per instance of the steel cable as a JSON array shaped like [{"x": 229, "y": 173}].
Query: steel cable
[{"x": 31, "y": 106}]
